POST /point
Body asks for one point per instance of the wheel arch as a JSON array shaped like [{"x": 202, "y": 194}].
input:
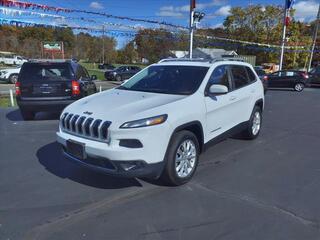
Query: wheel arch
[
  {"x": 196, "y": 128},
  {"x": 260, "y": 103}
]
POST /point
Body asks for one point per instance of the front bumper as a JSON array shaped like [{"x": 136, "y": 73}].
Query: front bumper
[
  {"x": 127, "y": 169},
  {"x": 149, "y": 156}
]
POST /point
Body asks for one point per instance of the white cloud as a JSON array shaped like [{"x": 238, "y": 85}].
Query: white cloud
[
  {"x": 306, "y": 10},
  {"x": 181, "y": 11},
  {"x": 223, "y": 11},
  {"x": 218, "y": 25},
  {"x": 169, "y": 14},
  {"x": 96, "y": 5}
]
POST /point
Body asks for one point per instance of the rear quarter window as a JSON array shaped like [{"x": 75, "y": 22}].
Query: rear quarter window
[{"x": 251, "y": 75}]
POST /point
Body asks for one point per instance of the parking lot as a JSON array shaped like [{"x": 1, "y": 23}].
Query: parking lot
[{"x": 262, "y": 189}]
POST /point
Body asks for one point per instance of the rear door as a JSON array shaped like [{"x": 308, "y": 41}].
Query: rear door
[
  {"x": 45, "y": 80},
  {"x": 241, "y": 96}
]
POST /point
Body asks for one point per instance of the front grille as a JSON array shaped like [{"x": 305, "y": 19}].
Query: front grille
[{"x": 95, "y": 129}]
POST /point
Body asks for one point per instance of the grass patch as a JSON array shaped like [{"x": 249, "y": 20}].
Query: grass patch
[{"x": 5, "y": 102}]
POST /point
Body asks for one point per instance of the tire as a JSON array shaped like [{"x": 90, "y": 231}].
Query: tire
[
  {"x": 27, "y": 115},
  {"x": 118, "y": 78},
  {"x": 298, "y": 87},
  {"x": 171, "y": 174},
  {"x": 253, "y": 130},
  {"x": 13, "y": 78}
]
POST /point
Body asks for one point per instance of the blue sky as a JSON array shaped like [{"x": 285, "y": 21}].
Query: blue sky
[{"x": 173, "y": 11}]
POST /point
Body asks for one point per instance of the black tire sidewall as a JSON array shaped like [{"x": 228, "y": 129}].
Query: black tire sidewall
[
  {"x": 170, "y": 173},
  {"x": 27, "y": 115}
]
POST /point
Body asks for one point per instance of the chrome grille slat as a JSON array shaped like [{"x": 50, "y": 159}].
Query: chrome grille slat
[{"x": 87, "y": 127}]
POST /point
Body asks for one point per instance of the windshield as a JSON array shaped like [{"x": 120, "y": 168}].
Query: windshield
[{"x": 181, "y": 80}]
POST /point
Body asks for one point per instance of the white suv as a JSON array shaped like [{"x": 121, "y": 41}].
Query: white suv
[{"x": 157, "y": 123}]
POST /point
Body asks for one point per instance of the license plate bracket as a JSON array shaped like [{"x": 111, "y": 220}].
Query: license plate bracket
[{"x": 76, "y": 149}]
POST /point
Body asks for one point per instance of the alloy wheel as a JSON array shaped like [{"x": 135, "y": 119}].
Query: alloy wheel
[{"x": 186, "y": 155}]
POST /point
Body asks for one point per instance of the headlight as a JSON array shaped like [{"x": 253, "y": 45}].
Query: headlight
[
  {"x": 3, "y": 72},
  {"x": 145, "y": 122}
]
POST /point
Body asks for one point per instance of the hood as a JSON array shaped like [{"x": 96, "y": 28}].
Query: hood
[{"x": 122, "y": 105}]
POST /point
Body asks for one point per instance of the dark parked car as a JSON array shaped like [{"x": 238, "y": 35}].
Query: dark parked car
[
  {"x": 106, "y": 66},
  {"x": 263, "y": 77},
  {"x": 314, "y": 75},
  {"x": 49, "y": 86},
  {"x": 122, "y": 73},
  {"x": 297, "y": 80}
]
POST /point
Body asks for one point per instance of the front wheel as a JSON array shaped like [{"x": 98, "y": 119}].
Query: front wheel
[
  {"x": 181, "y": 158},
  {"x": 298, "y": 87}
]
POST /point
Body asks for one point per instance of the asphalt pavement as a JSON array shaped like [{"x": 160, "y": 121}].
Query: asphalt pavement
[{"x": 262, "y": 189}]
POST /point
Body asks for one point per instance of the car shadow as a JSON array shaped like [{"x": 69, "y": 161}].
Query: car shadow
[
  {"x": 15, "y": 116},
  {"x": 51, "y": 157}
]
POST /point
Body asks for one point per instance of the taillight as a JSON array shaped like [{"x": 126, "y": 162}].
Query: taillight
[
  {"x": 265, "y": 77},
  {"x": 305, "y": 75},
  {"x": 18, "y": 91},
  {"x": 75, "y": 88}
]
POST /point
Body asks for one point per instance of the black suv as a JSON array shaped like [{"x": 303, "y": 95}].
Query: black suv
[
  {"x": 49, "y": 86},
  {"x": 122, "y": 73}
]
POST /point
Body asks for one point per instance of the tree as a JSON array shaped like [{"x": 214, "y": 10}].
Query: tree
[{"x": 128, "y": 54}]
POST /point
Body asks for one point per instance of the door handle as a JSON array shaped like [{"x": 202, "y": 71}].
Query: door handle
[{"x": 232, "y": 98}]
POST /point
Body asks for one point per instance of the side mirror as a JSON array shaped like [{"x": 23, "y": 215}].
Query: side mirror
[
  {"x": 218, "y": 89},
  {"x": 94, "y": 77}
]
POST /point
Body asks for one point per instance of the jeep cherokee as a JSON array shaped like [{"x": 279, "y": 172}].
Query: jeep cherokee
[{"x": 157, "y": 123}]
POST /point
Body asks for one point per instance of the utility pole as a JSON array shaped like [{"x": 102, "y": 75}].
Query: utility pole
[
  {"x": 192, "y": 7},
  {"x": 284, "y": 28},
  {"x": 315, "y": 35},
  {"x": 103, "y": 44}
]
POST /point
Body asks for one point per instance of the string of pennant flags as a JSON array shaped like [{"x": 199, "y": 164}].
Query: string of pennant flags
[
  {"x": 42, "y": 7},
  {"x": 16, "y": 12},
  {"x": 132, "y": 34},
  {"x": 35, "y": 6}
]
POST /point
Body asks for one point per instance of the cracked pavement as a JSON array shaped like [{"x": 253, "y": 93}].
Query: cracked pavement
[{"x": 262, "y": 189}]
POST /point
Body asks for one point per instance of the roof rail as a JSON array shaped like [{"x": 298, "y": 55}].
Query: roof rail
[
  {"x": 213, "y": 60},
  {"x": 50, "y": 60},
  {"x": 183, "y": 60},
  {"x": 236, "y": 59}
]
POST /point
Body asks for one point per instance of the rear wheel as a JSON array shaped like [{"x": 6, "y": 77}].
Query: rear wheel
[
  {"x": 253, "y": 129},
  {"x": 298, "y": 87},
  {"x": 13, "y": 78},
  {"x": 181, "y": 158},
  {"x": 27, "y": 115}
]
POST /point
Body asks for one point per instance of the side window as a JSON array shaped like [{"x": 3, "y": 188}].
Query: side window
[
  {"x": 251, "y": 75},
  {"x": 220, "y": 76},
  {"x": 239, "y": 75}
]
